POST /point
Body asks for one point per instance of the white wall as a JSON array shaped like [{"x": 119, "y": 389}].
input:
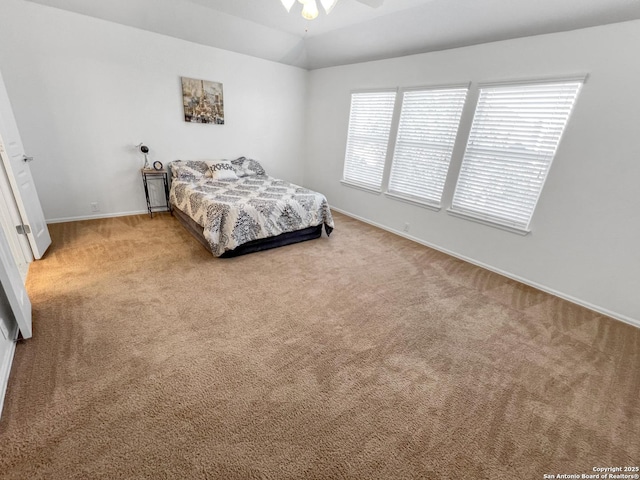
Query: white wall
[
  {"x": 85, "y": 91},
  {"x": 585, "y": 242}
]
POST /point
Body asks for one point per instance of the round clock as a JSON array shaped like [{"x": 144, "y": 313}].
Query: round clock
[{"x": 157, "y": 165}]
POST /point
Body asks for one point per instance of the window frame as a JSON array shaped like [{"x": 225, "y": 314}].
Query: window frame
[
  {"x": 493, "y": 221},
  {"x": 413, "y": 199},
  {"x": 361, "y": 185}
]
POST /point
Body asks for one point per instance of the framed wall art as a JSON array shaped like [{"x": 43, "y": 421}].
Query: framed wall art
[{"x": 203, "y": 101}]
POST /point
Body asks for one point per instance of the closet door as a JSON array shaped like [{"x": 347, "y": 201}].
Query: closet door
[
  {"x": 9, "y": 218},
  {"x": 14, "y": 288},
  {"x": 16, "y": 164}
]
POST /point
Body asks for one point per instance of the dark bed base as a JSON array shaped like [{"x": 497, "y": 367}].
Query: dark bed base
[{"x": 254, "y": 245}]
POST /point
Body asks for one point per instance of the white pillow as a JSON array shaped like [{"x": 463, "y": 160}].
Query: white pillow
[{"x": 222, "y": 170}]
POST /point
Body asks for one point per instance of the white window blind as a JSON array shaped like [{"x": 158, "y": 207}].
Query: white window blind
[
  {"x": 429, "y": 122},
  {"x": 368, "y": 137},
  {"x": 514, "y": 137}
]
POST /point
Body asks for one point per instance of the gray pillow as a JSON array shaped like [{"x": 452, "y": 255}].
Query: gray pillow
[{"x": 247, "y": 167}]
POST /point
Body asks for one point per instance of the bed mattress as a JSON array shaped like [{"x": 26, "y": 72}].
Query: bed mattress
[{"x": 239, "y": 211}]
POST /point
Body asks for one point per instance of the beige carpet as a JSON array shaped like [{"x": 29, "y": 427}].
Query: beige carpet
[{"x": 356, "y": 357}]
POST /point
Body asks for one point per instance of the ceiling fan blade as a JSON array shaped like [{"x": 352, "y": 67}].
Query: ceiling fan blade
[{"x": 372, "y": 3}]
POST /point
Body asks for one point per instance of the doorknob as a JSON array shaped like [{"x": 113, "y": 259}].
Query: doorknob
[{"x": 26, "y": 159}]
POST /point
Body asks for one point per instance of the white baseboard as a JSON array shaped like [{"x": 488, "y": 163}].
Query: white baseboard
[
  {"x": 7, "y": 351},
  {"x": 96, "y": 216},
  {"x": 569, "y": 298}
]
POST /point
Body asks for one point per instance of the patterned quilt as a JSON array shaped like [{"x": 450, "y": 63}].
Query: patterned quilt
[{"x": 233, "y": 212}]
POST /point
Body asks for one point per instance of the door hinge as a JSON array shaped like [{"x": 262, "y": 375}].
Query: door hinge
[{"x": 23, "y": 229}]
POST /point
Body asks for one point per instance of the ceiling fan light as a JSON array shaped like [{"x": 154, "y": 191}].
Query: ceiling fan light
[
  {"x": 310, "y": 10},
  {"x": 288, "y": 4},
  {"x": 328, "y": 5}
]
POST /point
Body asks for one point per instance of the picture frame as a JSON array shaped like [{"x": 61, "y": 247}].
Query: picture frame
[{"x": 203, "y": 101}]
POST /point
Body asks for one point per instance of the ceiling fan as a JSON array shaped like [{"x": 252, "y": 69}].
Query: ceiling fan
[{"x": 310, "y": 7}]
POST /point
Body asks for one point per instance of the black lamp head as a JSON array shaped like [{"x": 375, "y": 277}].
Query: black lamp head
[{"x": 144, "y": 149}]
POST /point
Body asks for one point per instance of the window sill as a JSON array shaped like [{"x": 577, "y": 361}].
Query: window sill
[
  {"x": 361, "y": 187},
  {"x": 413, "y": 201},
  {"x": 490, "y": 223}
]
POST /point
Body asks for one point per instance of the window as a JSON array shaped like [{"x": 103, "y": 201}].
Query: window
[
  {"x": 368, "y": 137},
  {"x": 429, "y": 122},
  {"x": 515, "y": 133}
]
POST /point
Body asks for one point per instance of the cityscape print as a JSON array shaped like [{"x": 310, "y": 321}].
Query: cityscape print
[{"x": 203, "y": 101}]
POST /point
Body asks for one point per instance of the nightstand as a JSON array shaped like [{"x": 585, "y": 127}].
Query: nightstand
[{"x": 149, "y": 174}]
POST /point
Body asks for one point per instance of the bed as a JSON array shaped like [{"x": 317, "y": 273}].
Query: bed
[{"x": 232, "y": 207}]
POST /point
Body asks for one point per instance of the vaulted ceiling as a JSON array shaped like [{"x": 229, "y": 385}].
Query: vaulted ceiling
[{"x": 353, "y": 32}]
